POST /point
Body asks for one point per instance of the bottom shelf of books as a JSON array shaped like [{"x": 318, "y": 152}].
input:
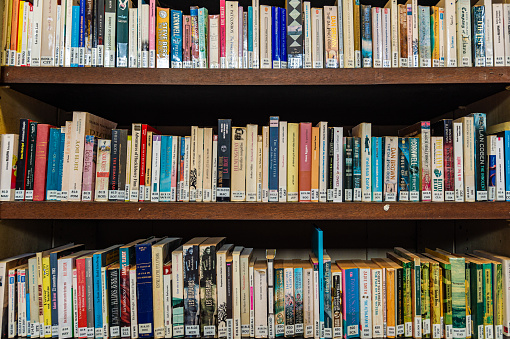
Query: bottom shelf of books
[{"x": 166, "y": 287}]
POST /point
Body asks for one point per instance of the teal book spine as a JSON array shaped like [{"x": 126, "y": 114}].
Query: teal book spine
[
  {"x": 122, "y": 33},
  {"x": 377, "y": 169},
  {"x": 424, "y": 42},
  {"x": 458, "y": 297},
  {"x": 318, "y": 251},
  {"x": 53, "y": 164},
  {"x": 202, "y": 36},
  {"x": 478, "y": 25},
  {"x": 250, "y": 37},
  {"x": 414, "y": 169},
  {"x": 328, "y": 311},
  {"x": 165, "y": 180},
  {"x": 298, "y": 301},
  {"x": 366, "y": 35},
  {"x": 403, "y": 160}
]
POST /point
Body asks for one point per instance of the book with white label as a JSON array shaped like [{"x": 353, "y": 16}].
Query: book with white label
[
  {"x": 437, "y": 169},
  {"x": 282, "y": 162}
]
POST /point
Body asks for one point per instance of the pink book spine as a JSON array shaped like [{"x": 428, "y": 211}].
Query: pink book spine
[
  {"x": 223, "y": 36},
  {"x": 305, "y": 161},
  {"x": 152, "y": 33},
  {"x": 41, "y": 157},
  {"x": 89, "y": 169},
  {"x": 173, "y": 172},
  {"x": 240, "y": 33}
]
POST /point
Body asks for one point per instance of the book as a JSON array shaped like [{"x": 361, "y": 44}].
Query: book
[
  {"x": 293, "y": 153},
  {"x": 224, "y": 140},
  {"x": 390, "y": 168},
  {"x": 437, "y": 169},
  {"x": 480, "y": 156},
  {"x": 260, "y": 295},
  {"x": 40, "y": 162},
  {"x": 282, "y": 160},
  {"x": 350, "y": 298},
  {"x": 363, "y": 131},
  {"x": 403, "y": 175},
  {"x": 238, "y": 192},
  {"x": 8, "y": 171},
  {"x": 305, "y": 162}
]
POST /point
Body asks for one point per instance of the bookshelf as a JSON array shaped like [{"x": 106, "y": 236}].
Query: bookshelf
[{"x": 168, "y": 97}]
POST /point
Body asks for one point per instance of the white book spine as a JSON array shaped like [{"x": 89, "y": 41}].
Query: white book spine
[
  {"x": 30, "y": 32},
  {"x": 67, "y": 33},
  {"x": 506, "y": 30},
  {"x": 282, "y": 162},
  {"x": 426, "y": 162},
  {"x": 450, "y": 33},
  {"x": 132, "y": 299},
  {"x": 265, "y": 37},
  {"x": 377, "y": 37},
  {"x": 500, "y": 169},
  {"x": 109, "y": 43},
  {"x": 156, "y": 158},
  {"x": 11, "y": 311},
  {"x": 265, "y": 163},
  {"x": 251, "y": 280},
  {"x": 463, "y": 34},
  {"x": 307, "y": 46},
  {"x": 469, "y": 159},
  {"x": 323, "y": 161},
  {"x": 441, "y": 37},
  {"x": 437, "y": 169},
  {"x": 133, "y": 37},
  {"x": 338, "y": 164},
  {"x": 395, "y": 37},
  {"x": 251, "y": 162},
  {"x": 177, "y": 288},
  {"x": 60, "y": 16},
  {"x": 317, "y": 38},
  {"x": 214, "y": 167},
  {"x": 75, "y": 303},
  {"x": 232, "y": 33},
  {"x": 9, "y": 152},
  {"x": 377, "y": 303},
  {"x": 365, "y": 303},
  {"x": 386, "y": 37},
  {"x": 499, "y": 35},
  {"x": 64, "y": 290},
  {"x": 187, "y": 149},
  {"x": 316, "y": 310},
  {"x": 415, "y": 30},
  {"x": 36, "y": 35},
  {"x": 458, "y": 152},
  {"x": 256, "y": 34},
  {"x": 260, "y": 166},
  {"x": 135, "y": 162},
  {"x": 24, "y": 35},
  {"x": 193, "y": 163},
  {"x": 489, "y": 36},
  {"x": 260, "y": 296},
  {"x": 167, "y": 295},
  {"x": 139, "y": 35},
  {"x": 200, "y": 166},
  {"x": 236, "y": 296}
]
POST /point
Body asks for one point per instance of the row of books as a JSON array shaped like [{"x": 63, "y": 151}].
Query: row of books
[
  {"x": 207, "y": 288},
  {"x": 348, "y": 35},
  {"x": 288, "y": 162}
]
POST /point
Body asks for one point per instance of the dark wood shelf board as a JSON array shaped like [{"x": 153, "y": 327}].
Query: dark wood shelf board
[
  {"x": 253, "y": 211},
  {"x": 264, "y": 77}
]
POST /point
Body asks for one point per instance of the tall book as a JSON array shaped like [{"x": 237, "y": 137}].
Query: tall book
[
  {"x": 177, "y": 293},
  {"x": 238, "y": 192},
  {"x": 251, "y": 162},
  {"x": 305, "y": 161},
  {"x": 282, "y": 161},
  {"x": 221, "y": 283},
  {"x": 224, "y": 140},
  {"x": 480, "y": 151},
  {"x": 390, "y": 168},
  {"x": 293, "y": 162},
  {"x": 364, "y": 131},
  {"x": 260, "y": 295},
  {"x": 40, "y": 164},
  {"x": 9, "y": 152}
]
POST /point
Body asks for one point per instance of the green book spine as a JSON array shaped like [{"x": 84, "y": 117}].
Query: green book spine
[
  {"x": 447, "y": 299},
  {"x": 425, "y": 299},
  {"x": 416, "y": 281},
  {"x": 476, "y": 288},
  {"x": 488, "y": 308},
  {"x": 458, "y": 297},
  {"x": 469, "y": 329},
  {"x": 279, "y": 302},
  {"x": 497, "y": 283},
  {"x": 435, "y": 299}
]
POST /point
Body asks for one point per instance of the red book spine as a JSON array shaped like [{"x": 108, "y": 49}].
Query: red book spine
[
  {"x": 40, "y": 165},
  {"x": 305, "y": 161},
  {"x": 143, "y": 156},
  {"x": 125, "y": 308},
  {"x": 82, "y": 298}
]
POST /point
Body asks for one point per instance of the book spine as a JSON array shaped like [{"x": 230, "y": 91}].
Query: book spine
[
  {"x": 458, "y": 161},
  {"x": 294, "y": 33},
  {"x": 414, "y": 169},
  {"x": 305, "y": 161},
  {"x": 194, "y": 37},
  {"x": 289, "y": 302},
  {"x": 336, "y": 295},
  {"x": 479, "y": 32},
  {"x": 136, "y": 146},
  {"x": 426, "y": 162},
  {"x": 224, "y": 140},
  {"x": 275, "y": 37},
  {"x": 271, "y": 330},
  {"x": 463, "y": 33},
  {"x": 82, "y": 298},
  {"x": 279, "y": 302},
  {"x": 390, "y": 168},
  {"x": 273, "y": 159},
  {"x": 238, "y": 192},
  {"x": 152, "y": 34},
  {"x": 208, "y": 288},
  {"x": 144, "y": 290},
  {"x": 177, "y": 295},
  {"x": 402, "y": 13},
  {"x": 377, "y": 48},
  {"x": 191, "y": 291},
  {"x": 351, "y": 310},
  {"x": 323, "y": 161},
  {"x": 348, "y": 168},
  {"x": 437, "y": 169},
  {"x": 156, "y": 160},
  {"x": 480, "y": 156},
  {"x": 103, "y": 169},
  {"x": 213, "y": 43},
  {"x": 338, "y": 164},
  {"x": 163, "y": 38},
  {"x": 177, "y": 38},
  {"x": 403, "y": 175},
  {"x": 434, "y": 34},
  {"x": 89, "y": 282},
  {"x": 98, "y": 298},
  {"x": 265, "y": 164},
  {"x": 181, "y": 195},
  {"x": 424, "y": 36},
  {"x": 315, "y": 150},
  {"x": 133, "y": 301},
  {"x": 331, "y": 158},
  {"x": 491, "y": 157},
  {"x": 365, "y": 303},
  {"x": 229, "y": 316},
  {"x": 265, "y": 37},
  {"x": 65, "y": 282},
  {"x": 41, "y": 157},
  {"x": 166, "y": 168},
  {"x": 158, "y": 291},
  {"x": 499, "y": 38},
  {"x": 167, "y": 296},
  {"x": 366, "y": 35},
  {"x": 298, "y": 301},
  {"x": 282, "y": 161},
  {"x": 114, "y": 166},
  {"x": 283, "y": 37},
  {"x": 260, "y": 295},
  {"x": 8, "y": 171},
  {"x": 425, "y": 299},
  {"x": 114, "y": 300},
  {"x": 186, "y": 185},
  {"x": 32, "y": 137},
  {"x": 143, "y": 158},
  {"x": 89, "y": 168},
  {"x": 251, "y": 163},
  {"x": 331, "y": 36},
  {"x": 148, "y": 165},
  {"x": 307, "y": 35},
  {"x": 507, "y": 164},
  {"x": 21, "y": 164},
  {"x": 203, "y": 24},
  {"x": 377, "y": 167}
]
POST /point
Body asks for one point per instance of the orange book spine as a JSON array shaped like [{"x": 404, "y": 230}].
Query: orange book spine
[{"x": 305, "y": 161}]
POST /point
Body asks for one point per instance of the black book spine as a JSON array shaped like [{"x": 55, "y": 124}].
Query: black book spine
[
  {"x": 121, "y": 183},
  {"x": 32, "y": 138},
  {"x": 100, "y": 31},
  {"x": 114, "y": 167},
  {"x": 21, "y": 164},
  {"x": 95, "y": 28},
  {"x": 224, "y": 141},
  {"x": 348, "y": 168},
  {"x": 114, "y": 299},
  {"x": 191, "y": 274},
  {"x": 331, "y": 156}
]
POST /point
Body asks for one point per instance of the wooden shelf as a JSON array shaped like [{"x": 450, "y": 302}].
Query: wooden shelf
[
  {"x": 261, "y": 77},
  {"x": 253, "y": 211}
]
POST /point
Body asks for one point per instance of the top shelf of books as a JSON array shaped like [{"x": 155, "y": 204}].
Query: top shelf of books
[{"x": 258, "y": 77}]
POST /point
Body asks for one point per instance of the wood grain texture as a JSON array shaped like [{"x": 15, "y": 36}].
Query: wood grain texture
[
  {"x": 147, "y": 76},
  {"x": 253, "y": 211}
]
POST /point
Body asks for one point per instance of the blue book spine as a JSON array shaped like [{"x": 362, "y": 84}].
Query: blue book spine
[
  {"x": 424, "y": 36},
  {"x": 75, "y": 33},
  {"x": 98, "y": 299},
  {"x": 53, "y": 163},
  {"x": 176, "y": 48},
  {"x": 414, "y": 169},
  {"x": 165, "y": 178},
  {"x": 507, "y": 164},
  {"x": 366, "y": 35},
  {"x": 273, "y": 158},
  {"x": 275, "y": 25},
  {"x": 61, "y": 164},
  {"x": 298, "y": 300},
  {"x": 479, "y": 35},
  {"x": 144, "y": 290},
  {"x": 403, "y": 174},
  {"x": 351, "y": 297},
  {"x": 250, "y": 37},
  {"x": 81, "y": 35},
  {"x": 27, "y": 298},
  {"x": 479, "y": 122},
  {"x": 283, "y": 38},
  {"x": 54, "y": 293},
  {"x": 318, "y": 251},
  {"x": 377, "y": 169}
]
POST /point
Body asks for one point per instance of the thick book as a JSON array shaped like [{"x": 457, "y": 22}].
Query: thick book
[
  {"x": 238, "y": 171},
  {"x": 224, "y": 157},
  {"x": 21, "y": 164},
  {"x": 260, "y": 296},
  {"x": 103, "y": 169},
  {"x": 282, "y": 160},
  {"x": 479, "y": 122},
  {"x": 377, "y": 168},
  {"x": 444, "y": 128},
  {"x": 305, "y": 161},
  {"x": 221, "y": 283},
  {"x": 390, "y": 168},
  {"x": 293, "y": 162},
  {"x": 414, "y": 169},
  {"x": 350, "y": 298},
  {"x": 348, "y": 168},
  {"x": 273, "y": 159},
  {"x": 114, "y": 300},
  {"x": 32, "y": 138},
  {"x": 9, "y": 152},
  {"x": 89, "y": 168},
  {"x": 177, "y": 294}
]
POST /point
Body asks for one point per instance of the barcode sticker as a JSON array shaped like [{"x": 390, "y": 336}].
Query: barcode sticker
[
  {"x": 489, "y": 333},
  {"x": 145, "y": 328},
  {"x": 400, "y": 330},
  {"x": 178, "y": 330},
  {"x": 352, "y": 330},
  {"x": 192, "y": 330},
  {"x": 209, "y": 331},
  {"x": 436, "y": 328},
  {"x": 114, "y": 331}
]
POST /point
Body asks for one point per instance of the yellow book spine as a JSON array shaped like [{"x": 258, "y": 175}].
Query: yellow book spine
[
  {"x": 435, "y": 300},
  {"x": 390, "y": 301},
  {"x": 163, "y": 41},
  {"x": 435, "y": 47},
  {"x": 46, "y": 295},
  {"x": 20, "y": 26},
  {"x": 293, "y": 162},
  {"x": 315, "y": 164}
]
